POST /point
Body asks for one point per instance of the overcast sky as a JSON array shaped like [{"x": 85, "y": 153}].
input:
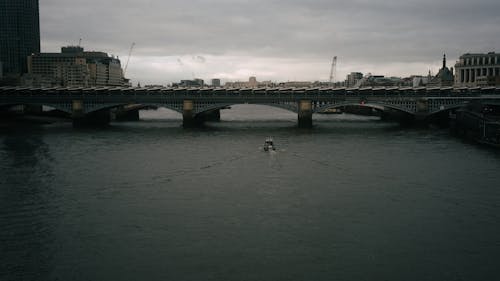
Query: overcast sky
[{"x": 277, "y": 40}]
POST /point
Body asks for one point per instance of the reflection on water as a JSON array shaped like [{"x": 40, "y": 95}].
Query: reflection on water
[
  {"x": 351, "y": 199},
  {"x": 26, "y": 211}
]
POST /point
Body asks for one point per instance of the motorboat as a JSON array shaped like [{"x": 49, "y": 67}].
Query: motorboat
[{"x": 269, "y": 144}]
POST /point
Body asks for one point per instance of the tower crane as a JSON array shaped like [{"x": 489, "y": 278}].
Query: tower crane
[
  {"x": 333, "y": 70},
  {"x": 128, "y": 59}
]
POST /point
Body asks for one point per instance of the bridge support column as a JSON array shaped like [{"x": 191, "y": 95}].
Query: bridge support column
[
  {"x": 305, "y": 114},
  {"x": 385, "y": 116},
  {"x": 188, "y": 116},
  {"x": 77, "y": 111},
  {"x": 123, "y": 115},
  {"x": 94, "y": 119},
  {"x": 420, "y": 118},
  {"x": 211, "y": 116},
  {"x": 32, "y": 109}
]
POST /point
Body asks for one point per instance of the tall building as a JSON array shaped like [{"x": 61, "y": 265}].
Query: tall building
[
  {"x": 74, "y": 67},
  {"x": 353, "y": 78},
  {"x": 252, "y": 82},
  {"x": 216, "y": 82},
  {"x": 478, "y": 70},
  {"x": 19, "y": 34}
]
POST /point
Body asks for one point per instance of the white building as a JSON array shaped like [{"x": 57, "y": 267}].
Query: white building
[{"x": 478, "y": 70}]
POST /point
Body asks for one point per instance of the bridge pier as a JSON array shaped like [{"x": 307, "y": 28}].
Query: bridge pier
[
  {"x": 94, "y": 119},
  {"x": 305, "y": 114},
  {"x": 123, "y": 115},
  {"x": 420, "y": 118},
  {"x": 99, "y": 118},
  {"x": 211, "y": 116},
  {"x": 385, "y": 116},
  {"x": 188, "y": 116},
  {"x": 191, "y": 120},
  {"x": 32, "y": 109}
]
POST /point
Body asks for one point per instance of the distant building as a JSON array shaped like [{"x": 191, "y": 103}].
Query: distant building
[
  {"x": 19, "y": 35},
  {"x": 257, "y": 84},
  {"x": 252, "y": 82},
  {"x": 296, "y": 84},
  {"x": 420, "y": 81},
  {"x": 323, "y": 84},
  {"x": 443, "y": 78},
  {"x": 353, "y": 78},
  {"x": 153, "y": 86},
  {"x": 379, "y": 81},
  {"x": 236, "y": 84},
  {"x": 74, "y": 67},
  {"x": 216, "y": 82},
  {"x": 190, "y": 83},
  {"x": 267, "y": 83},
  {"x": 478, "y": 70}
]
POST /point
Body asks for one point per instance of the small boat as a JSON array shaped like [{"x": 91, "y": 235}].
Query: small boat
[{"x": 269, "y": 144}]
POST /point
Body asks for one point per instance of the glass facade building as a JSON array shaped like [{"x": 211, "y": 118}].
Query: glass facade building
[{"x": 19, "y": 34}]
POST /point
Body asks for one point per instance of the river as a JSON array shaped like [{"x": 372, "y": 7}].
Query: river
[{"x": 353, "y": 198}]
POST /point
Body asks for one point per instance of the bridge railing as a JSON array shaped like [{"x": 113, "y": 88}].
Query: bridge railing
[{"x": 256, "y": 92}]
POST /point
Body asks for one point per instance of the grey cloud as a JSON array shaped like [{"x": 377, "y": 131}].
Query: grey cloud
[
  {"x": 199, "y": 59},
  {"x": 358, "y": 30}
]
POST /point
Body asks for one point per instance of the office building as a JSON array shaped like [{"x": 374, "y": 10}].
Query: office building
[
  {"x": 19, "y": 35},
  {"x": 216, "y": 83},
  {"x": 252, "y": 82},
  {"x": 353, "y": 78},
  {"x": 195, "y": 83},
  {"x": 74, "y": 67}
]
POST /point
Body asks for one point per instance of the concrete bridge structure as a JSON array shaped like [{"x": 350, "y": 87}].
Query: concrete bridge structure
[{"x": 92, "y": 105}]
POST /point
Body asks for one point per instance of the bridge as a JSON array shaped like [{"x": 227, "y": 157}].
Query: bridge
[{"x": 93, "y": 105}]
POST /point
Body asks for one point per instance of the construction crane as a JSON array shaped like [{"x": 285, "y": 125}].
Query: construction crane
[
  {"x": 333, "y": 70},
  {"x": 128, "y": 59}
]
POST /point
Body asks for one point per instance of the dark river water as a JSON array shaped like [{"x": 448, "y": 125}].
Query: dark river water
[{"x": 352, "y": 199}]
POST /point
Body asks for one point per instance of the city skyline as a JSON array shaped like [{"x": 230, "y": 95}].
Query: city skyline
[{"x": 277, "y": 40}]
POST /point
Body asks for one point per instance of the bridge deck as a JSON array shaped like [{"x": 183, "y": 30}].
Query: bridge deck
[
  {"x": 409, "y": 100},
  {"x": 210, "y": 92}
]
